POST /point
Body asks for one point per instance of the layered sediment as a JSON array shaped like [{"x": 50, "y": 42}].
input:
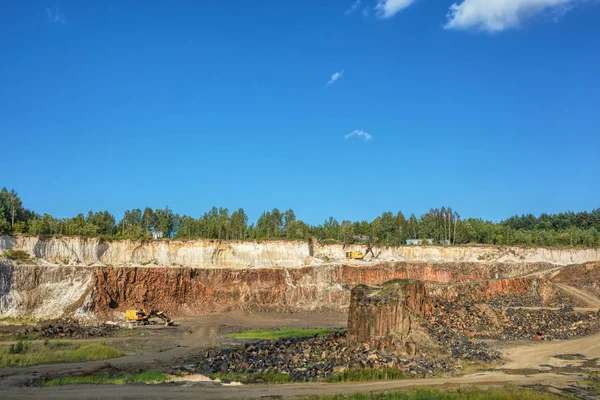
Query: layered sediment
[
  {"x": 243, "y": 254},
  {"x": 96, "y": 278}
]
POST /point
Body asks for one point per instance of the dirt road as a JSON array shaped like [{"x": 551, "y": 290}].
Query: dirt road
[
  {"x": 588, "y": 299},
  {"x": 210, "y": 392}
]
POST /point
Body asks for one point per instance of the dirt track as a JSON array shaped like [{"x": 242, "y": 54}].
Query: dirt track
[
  {"x": 586, "y": 298},
  {"x": 285, "y": 391}
]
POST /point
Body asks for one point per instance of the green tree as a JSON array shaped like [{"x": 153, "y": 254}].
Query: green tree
[{"x": 165, "y": 221}]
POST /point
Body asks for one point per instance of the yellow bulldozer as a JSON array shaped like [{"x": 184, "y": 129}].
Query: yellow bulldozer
[{"x": 143, "y": 317}]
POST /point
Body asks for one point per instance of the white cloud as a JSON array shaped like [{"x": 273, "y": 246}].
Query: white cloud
[
  {"x": 335, "y": 77},
  {"x": 360, "y": 134},
  {"x": 498, "y": 15},
  {"x": 56, "y": 17},
  {"x": 389, "y": 8},
  {"x": 353, "y": 7}
]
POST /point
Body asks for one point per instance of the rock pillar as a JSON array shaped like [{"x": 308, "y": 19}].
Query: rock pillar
[{"x": 387, "y": 313}]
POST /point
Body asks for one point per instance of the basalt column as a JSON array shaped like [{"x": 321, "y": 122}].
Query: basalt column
[{"x": 386, "y": 315}]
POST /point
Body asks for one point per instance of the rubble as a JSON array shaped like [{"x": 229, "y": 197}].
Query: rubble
[
  {"x": 516, "y": 300},
  {"x": 479, "y": 321},
  {"x": 310, "y": 359},
  {"x": 68, "y": 328}
]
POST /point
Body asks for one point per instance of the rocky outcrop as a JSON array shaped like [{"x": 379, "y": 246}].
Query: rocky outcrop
[
  {"x": 268, "y": 254},
  {"x": 43, "y": 292},
  {"x": 50, "y": 292},
  {"x": 387, "y": 314}
]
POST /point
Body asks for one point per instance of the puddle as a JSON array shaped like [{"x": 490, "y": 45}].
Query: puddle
[
  {"x": 522, "y": 371},
  {"x": 570, "y": 357},
  {"x": 593, "y": 363}
]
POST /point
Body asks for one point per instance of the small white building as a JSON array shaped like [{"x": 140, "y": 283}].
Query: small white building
[
  {"x": 157, "y": 235},
  {"x": 416, "y": 242}
]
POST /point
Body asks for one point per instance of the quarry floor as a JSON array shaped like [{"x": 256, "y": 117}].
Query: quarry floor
[{"x": 526, "y": 364}]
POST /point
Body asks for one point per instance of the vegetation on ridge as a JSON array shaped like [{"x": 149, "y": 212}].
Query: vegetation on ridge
[
  {"x": 435, "y": 394},
  {"x": 442, "y": 225},
  {"x": 147, "y": 377},
  {"x": 276, "y": 334}
]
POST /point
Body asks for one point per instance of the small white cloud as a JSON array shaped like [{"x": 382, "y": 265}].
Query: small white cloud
[
  {"x": 55, "y": 16},
  {"x": 335, "y": 77},
  {"x": 366, "y": 11},
  {"x": 389, "y": 8},
  {"x": 360, "y": 134},
  {"x": 498, "y": 15},
  {"x": 353, "y": 7}
]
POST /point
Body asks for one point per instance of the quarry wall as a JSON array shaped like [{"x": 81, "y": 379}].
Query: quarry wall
[
  {"x": 100, "y": 279},
  {"x": 242, "y": 254},
  {"x": 46, "y": 292}
]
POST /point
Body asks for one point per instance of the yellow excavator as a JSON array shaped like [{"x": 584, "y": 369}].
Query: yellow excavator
[
  {"x": 354, "y": 255},
  {"x": 358, "y": 255},
  {"x": 143, "y": 317}
]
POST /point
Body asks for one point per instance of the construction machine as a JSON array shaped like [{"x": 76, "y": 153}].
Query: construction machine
[
  {"x": 354, "y": 255},
  {"x": 143, "y": 317},
  {"x": 358, "y": 255}
]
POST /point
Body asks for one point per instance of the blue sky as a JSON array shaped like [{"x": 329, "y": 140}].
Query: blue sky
[{"x": 491, "y": 107}]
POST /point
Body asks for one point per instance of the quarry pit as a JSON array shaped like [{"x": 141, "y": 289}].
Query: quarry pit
[{"x": 477, "y": 304}]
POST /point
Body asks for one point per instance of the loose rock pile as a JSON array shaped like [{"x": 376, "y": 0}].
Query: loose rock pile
[
  {"x": 68, "y": 328},
  {"x": 309, "y": 359},
  {"x": 485, "y": 322},
  {"x": 516, "y": 300}
]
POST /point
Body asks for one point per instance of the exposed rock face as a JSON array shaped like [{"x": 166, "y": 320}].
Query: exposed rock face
[
  {"x": 43, "y": 292},
  {"x": 76, "y": 275},
  {"x": 387, "y": 314},
  {"x": 51, "y": 292},
  {"x": 237, "y": 254}
]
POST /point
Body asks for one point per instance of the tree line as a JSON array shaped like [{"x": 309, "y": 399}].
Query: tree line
[{"x": 440, "y": 225}]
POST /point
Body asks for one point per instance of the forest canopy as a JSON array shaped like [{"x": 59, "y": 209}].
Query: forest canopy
[{"x": 441, "y": 225}]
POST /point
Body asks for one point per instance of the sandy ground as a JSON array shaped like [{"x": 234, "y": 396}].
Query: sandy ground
[{"x": 528, "y": 363}]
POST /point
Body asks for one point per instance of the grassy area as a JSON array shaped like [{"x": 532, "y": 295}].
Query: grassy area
[
  {"x": 461, "y": 394},
  {"x": 367, "y": 374},
  {"x": 18, "y": 256},
  {"x": 17, "y": 321},
  {"x": 149, "y": 377},
  {"x": 252, "y": 378},
  {"x": 281, "y": 333},
  {"x": 594, "y": 382},
  {"x": 23, "y": 353},
  {"x": 469, "y": 367}
]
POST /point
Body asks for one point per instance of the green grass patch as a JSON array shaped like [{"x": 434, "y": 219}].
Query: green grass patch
[
  {"x": 367, "y": 374},
  {"x": 252, "y": 377},
  {"x": 148, "y": 377},
  {"x": 434, "y": 394},
  {"x": 54, "y": 352},
  {"x": 275, "y": 334},
  {"x": 17, "y": 256},
  {"x": 17, "y": 321},
  {"x": 594, "y": 382}
]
